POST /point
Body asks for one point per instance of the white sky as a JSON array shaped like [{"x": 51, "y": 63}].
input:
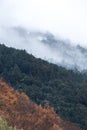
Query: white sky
[{"x": 67, "y": 18}]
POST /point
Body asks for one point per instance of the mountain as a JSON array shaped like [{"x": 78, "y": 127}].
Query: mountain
[
  {"x": 65, "y": 90},
  {"x": 47, "y": 46},
  {"x": 21, "y": 112}
]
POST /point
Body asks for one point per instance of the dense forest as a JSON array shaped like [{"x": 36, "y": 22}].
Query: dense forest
[{"x": 65, "y": 90}]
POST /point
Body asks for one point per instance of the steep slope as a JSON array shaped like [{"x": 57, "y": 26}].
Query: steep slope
[
  {"x": 21, "y": 112},
  {"x": 65, "y": 90}
]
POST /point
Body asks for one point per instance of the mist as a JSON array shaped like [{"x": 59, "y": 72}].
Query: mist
[
  {"x": 46, "y": 46},
  {"x": 65, "y": 18},
  {"x": 43, "y": 27}
]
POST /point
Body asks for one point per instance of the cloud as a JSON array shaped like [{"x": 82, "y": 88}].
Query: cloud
[
  {"x": 66, "y": 18},
  {"x": 46, "y": 46}
]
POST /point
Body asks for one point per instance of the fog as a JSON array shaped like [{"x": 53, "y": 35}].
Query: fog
[
  {"x": 47, "y": 46},
  {"x": 54, "y": 30},
  {"x": 66, "y": 18}
]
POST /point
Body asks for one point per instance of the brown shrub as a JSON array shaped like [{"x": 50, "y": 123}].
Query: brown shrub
[{"x": 21, "y": 112}]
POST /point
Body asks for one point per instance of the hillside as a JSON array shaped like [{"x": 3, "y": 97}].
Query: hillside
[
  {"x": 21, "y": 112},
  {"x": 65, "y": 90}
]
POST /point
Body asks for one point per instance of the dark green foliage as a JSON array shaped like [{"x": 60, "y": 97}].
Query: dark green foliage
[{"x": 65, "y": 90}]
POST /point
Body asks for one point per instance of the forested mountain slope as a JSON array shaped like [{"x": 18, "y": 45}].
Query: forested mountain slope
[
  {"x": 46, "y": 45},
  {"x": 21, "y": 112},
  {"x": 65, "y": 90}
]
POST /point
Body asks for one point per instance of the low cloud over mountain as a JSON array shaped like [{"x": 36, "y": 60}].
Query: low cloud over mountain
[{"x": 46, "y": 46}]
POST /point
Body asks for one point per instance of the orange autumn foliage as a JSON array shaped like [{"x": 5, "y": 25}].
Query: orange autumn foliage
[{"x": 21, "y": 112}]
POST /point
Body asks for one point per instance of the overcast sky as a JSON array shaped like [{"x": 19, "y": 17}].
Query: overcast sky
[{"x": 66, "y": 18}]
